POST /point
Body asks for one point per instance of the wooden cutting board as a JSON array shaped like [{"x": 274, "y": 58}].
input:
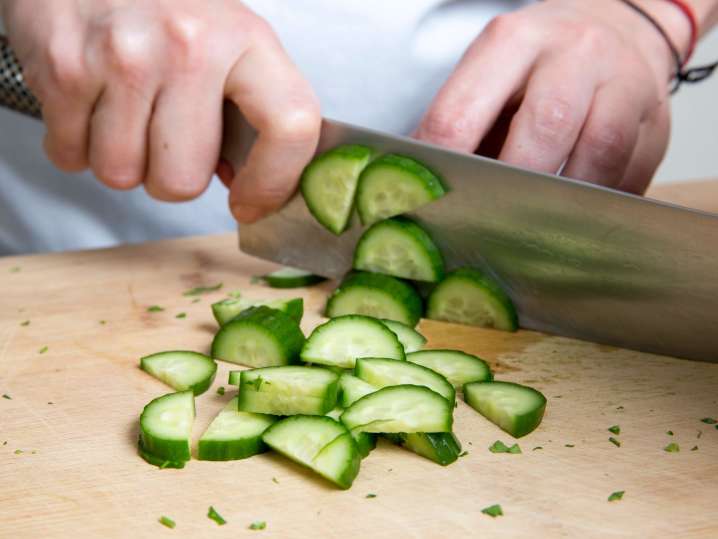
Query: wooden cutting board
[{"x": 69, "y": 466}]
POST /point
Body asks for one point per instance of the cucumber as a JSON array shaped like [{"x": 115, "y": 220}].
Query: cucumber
[
  {"x": 352, "y": 389},
  {"x": 377, "y": 295},
  {"x": 319, "y": 443},
  {"x": 329, "y": 182},
  {"x": 366, "y": 442},
  {"x": 259, "y": 337},
  {"x": 441, "y": 447},
  {"x": 380, "y": 372},
  {"x": 341, "y": 340},
  {"x": 405, "y": 408},
  {"x": 401, "y": 248},
  {"x": 289, "y": 390},
  {"x": 181, "y": 370},
  {"x": 233, "y": 378},
  {"x": 165, "y": 429},
  {"x": 234, "y": 435},
  {"x": 457, "y": 367},
  {"x": 468, "y": 296},
  {"x": 227, "y": 309},
  {"x": 409, "y": 338},
  {"x": 291, "y": 278},
  {"x": 395, "y": 184},
  {"x": 516, "y": 409}
]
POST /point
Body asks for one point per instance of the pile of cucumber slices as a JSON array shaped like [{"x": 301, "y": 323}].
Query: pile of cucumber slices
[{"x": 323, "y": 400}]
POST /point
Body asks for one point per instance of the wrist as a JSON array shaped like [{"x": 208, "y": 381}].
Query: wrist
[{"x": 674, "y": 22}]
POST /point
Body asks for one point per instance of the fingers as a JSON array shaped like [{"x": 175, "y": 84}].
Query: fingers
[
  {"x": 280, "y": 105},
  {"x": 607, "y": 140},
  {"x": 68, "y": 124},
  {"x": 551, "y": 115},
  {"x": 489, "y": 74}
]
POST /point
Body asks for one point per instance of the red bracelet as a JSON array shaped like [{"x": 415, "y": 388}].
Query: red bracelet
[{"x": 693, "y": 21}]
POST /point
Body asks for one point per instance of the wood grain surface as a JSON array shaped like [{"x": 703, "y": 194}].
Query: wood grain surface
[{"x": 70, "y": 468}]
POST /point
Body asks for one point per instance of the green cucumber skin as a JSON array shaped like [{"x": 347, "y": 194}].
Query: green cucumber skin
[
  {"x": 273, "y": 323},
  {"x": 433, "y": 184},
  {"x": 292, "y": 282},
  {"x": 197, "y": 388},
  {"x": 404, "y": 226},
  {"x": 411, "y": 339},
  {"x": 228, "y": 309},
  {"x": 351, "y": 151},
  {"x": 365, "y": 441},
  {"x": 522, "y": 424},
  {"x": 162, "y": 449},
  {"x": 395, "y": 290},
  {"x": 440, "y": 447},
  {"x": 218, "y": 450},
  {"x": 233, "y": 378},
  {"x": 416, "y": 357},
  {"x": 474, "y": 276},
  {"x": 158, "y": 461}
]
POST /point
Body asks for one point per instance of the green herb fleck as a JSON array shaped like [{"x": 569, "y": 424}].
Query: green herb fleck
[
  {"x": 615, "y": 496},
  {"x": 370, "y": 495},
  {"x": 43, "y": 350},
  {"x": 103, "y": 322},
  {"x": 463, "y": 453},
  {"x": 259, "y": 525},
  {"x": 709, "y": 421},
  {"x": 569, "y": 445},
  {"x": 537, "y": 448},
  {"x": 167, "y": 521},
  {"x": 274, "y": 480},
  {"x": 6, "y": 396},
  {"x": 214, "y": 515},
  {"x": 155, "y": 309},
  {"x": 619, "y": 407},
  {"x": 672, "y": 448},
  {"x": 615, "y": 442},
  {"x": 493, "y": 511},
  {"x": 25, "y": 323},
  {"x": 220, "y": 390},
  {"x": 700, "y": 433},
  {"x": 694, "y": 448},
  {"x": 716, "y": 427},
  {"x": 615, "y": 429},
  {"x": 236, "y": 294},
  {"x": 181, "y": 315},
  {"x": 500, "y": 447},
  {"x": 5, "y": 442},
  {"x": 50, "y": 402},
  {"x": 199, "y": 290},
  {"x": 196, "y": 300},
  {"x": 256, "y": 279},
  {"x": 15, "y": 269},
  {"x": 19, "y": 451},
  {"x": 669, "y": 432}
]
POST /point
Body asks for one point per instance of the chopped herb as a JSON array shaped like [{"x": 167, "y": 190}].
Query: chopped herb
[
  {"x": 619, "y": 407},
  {"x": 500, "y": 447},
  {"x": 615, "y": 496},
  {"x": 5, "y": 442},
  {"x": 615, "y": 442},
  {"x": 569, "y": 445},
  {"x": 15, "y": 269},
  {"x": 167, "y": 521},
  {"x": 709, "y": 421},
  {"x": 259, "y": 525},
  {"x": 220, "y": 390},
  {"x": 196, "y": 300},
  {"x": 236, "y": 294},
  {"x": 536, "y": 448},
  {"x": 463, "y": 453},
  {"x": 18, "y": 451},
  {"x": 700, "y": 433},
  {"x": 694, "y": 448},
  {"x": 370, "y": 495},
  {"x": 558, "y": 396},
  {"x": 50, "y": 402},
  {"x": 25, "y": 323},
  {"x": 6, "y": 396},
  {"x": 256, "y": 279},
  {"x": 493, "y": 511},
  {"x": 669, "y": 432},
  {"x": 103, "y": 322},
  {"x": 716, "y": 427},
  {"x": 672, "y": 448},
  {"x": 274, "y": 480},
  {"x": 456, "y": 404},
  {"x": 615, "y": 429},
  {"x": 155, "y": 309},
  {"x": 214, "y": 515},
  {"x": 199, "y": 290},
  {"x": 43, "y": 350},
  {"x": 181, "y": 315}
]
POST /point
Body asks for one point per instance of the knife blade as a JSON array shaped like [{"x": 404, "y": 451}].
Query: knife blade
[{"x": 578, "y": 260}]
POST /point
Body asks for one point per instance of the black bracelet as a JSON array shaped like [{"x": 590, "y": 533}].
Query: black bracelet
[{"x": 695, "y": 74}]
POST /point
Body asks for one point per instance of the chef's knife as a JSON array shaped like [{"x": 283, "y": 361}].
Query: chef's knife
[{"x": 578, "y": 260}]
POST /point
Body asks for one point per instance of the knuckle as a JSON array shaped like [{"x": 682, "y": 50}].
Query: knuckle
[
  {"x": 64, "y": 66},
  {"x": 270, "y": 196},
  {"x": 553, "y": 118},
  {"x": 188, "y": 39},
  {"x": 607, "y": 143},
  {"x": 126, "y": 54},
  {"x": 300, "y": 125},
  {"x": 441, "y": 125},
  {"x": 504, "y": 26}
]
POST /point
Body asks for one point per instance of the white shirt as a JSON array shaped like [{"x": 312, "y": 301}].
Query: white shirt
[{"x": 375, "y": 63}]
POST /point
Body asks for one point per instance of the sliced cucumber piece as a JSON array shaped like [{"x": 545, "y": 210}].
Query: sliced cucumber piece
[
  {"x": 395, "y": 184},
  {"x": 457, "y": 367},
  {"x": 233, "y": 378},
  {"x": 380, "y": 372},
  {"x": 329, "y": 182},
  {"x": 401, "y": 248},
  {"x": 377, "y": 295},
  {"x": 259, "y": 337},
  {"x": 165, "y": 428},
  {"x": 409, "y": 338},
  {"x": 366, "y": 442},
  {"x": 234, "y": 435},
  {"x": 352, "y": 389},
  {"x": 227, "y": 309},
  {"x": 291, "y": 278},
  {"x": 516, "y": 409},
  {"x": 341, "y": 340},
  {"x": 319, "y": 443},
  {"x": 288, "y": 390},
  {"x": 404, "y": 408},
  {"x": 468, "y": 296},
  {"x": 441, "y": 447},
  {"x": 181, "y": 370}
]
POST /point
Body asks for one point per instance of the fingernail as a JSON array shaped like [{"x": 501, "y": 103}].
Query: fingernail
[{"x": 246, "y": 214}]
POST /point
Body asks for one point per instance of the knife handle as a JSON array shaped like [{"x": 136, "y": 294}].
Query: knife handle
[{"x": 14, "y": 93}]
